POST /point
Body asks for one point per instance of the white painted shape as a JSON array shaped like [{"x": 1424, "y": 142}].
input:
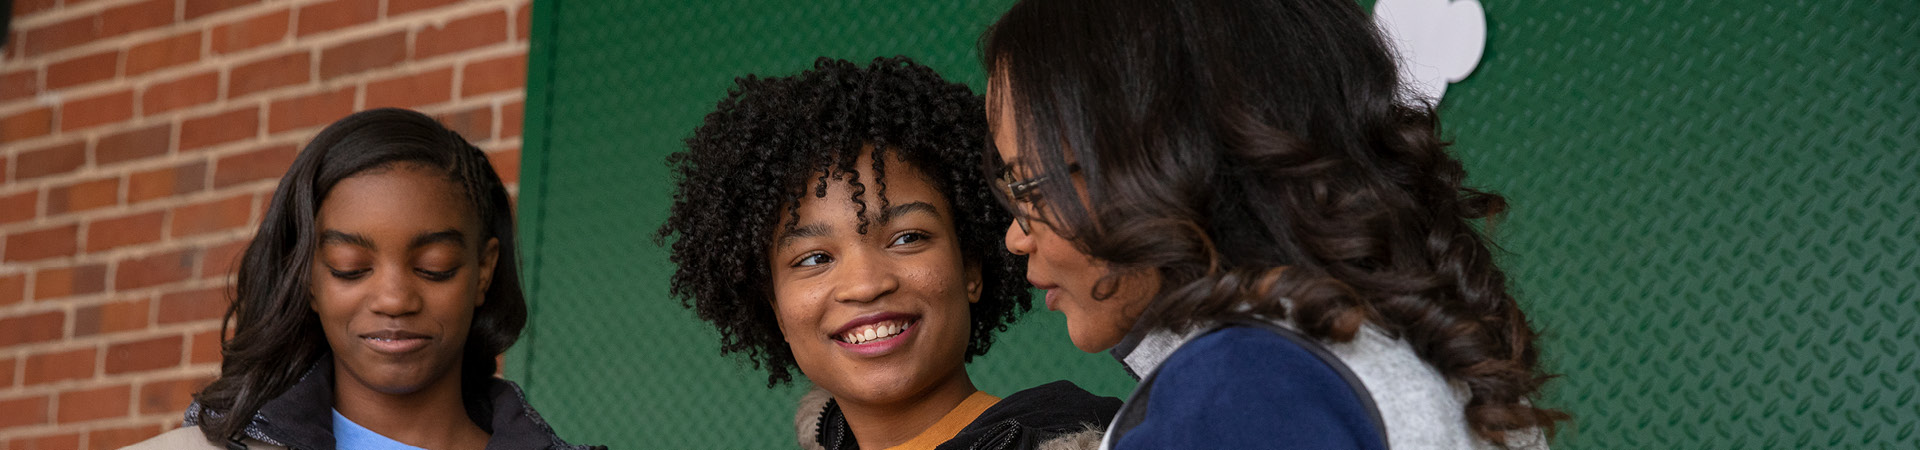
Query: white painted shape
[{"x": 1437, "y": 41}]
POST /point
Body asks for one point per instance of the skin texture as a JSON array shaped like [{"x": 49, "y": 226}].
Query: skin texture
[
  {"x": 400, "y": 251},
  {"x": 1054, "y": 264},
  {"x": 827, "y": 275}
]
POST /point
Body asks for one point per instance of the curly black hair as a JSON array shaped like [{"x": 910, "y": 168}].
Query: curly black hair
[{"x": 772, "y": 140}]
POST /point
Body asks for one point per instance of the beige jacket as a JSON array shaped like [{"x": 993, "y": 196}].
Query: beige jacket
[{"x": 191, "y": 438}]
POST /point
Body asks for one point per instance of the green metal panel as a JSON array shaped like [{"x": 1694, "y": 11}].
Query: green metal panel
[{"x": 1714, "y": 220}]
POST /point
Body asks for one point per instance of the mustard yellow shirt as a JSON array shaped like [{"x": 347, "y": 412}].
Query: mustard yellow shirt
[{"x": 951, "y": 424}]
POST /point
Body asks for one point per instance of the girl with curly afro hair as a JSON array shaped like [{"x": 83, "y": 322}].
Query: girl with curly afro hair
[{"x": 837, "y": 222}]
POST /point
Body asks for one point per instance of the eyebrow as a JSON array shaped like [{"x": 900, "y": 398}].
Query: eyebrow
[
  {"x": 818, "y": 230},
  {"x": 449, "y": 235},
  {"x": 899, "y": 210},
  {"x": 802, "y": 232}
]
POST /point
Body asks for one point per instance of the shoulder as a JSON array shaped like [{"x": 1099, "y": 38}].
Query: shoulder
[
  {"x": 1057, "y": 406},
  {"x": 1249, "y": 387},
  {"x": 188, "y": 437}
]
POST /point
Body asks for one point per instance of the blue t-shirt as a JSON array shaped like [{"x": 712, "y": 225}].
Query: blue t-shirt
[
  {"x": 1249, "y": 388},
  {"x": 351, "y": 436}
]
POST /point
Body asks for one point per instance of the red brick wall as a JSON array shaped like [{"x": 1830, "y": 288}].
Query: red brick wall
[{"x": 139, "y": 142}]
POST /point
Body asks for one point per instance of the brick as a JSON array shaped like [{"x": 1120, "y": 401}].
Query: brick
[
  {"x": 83, "y": 195},
  {"x": 81, "y": 70},
  {"x": 398, "y": 7},
  {"x": 97, "y": 110},
  {"x": 208, "y": 217},
  {"x": 310, "y": 110},
  {"x": 155, "y": 270},
  {"x": 133, "y": 144},
  {"x": 13, "y": 289},
  {"x": 507, "y": 164},
  {"x": 112, "y": 317},
  {"x": 362, "y": 55},
  {"x": 221, "y": 260},
  {"x": 7, "y": 374},
  {"x": 512, "y": 116},
  {"x": 206, "y": 347},
  {"x": 57, "y": 282},
  {"x": 29, "y": 124},
  {"x": 243, "y": 123},
  {"x": 23, "y": 8},
  {"x": 336, "y": 14},
  {"x": 523, "y": 22},
  {"x": 50, "y": 242},
  {"x": 51, "y": 160},
  {"x": 113, "y": 438},
  {"x": 94, "y": 404},
  {"x": 42, "y": 327},
  {"x": 135, "y": 229},
  {"x": 465, "y": 33},
  {"x": 474, "y": 124},
  {"x": 67, "y": 441},
  {"x": 135, "y": 17},
  {"x": 180, "y": 92},
  {"x": 162, "y": 183},
  {"x": 197, "y": 8},
  {"x": 262, "y": 164},
  {"x": 23, "y": 411},
  {"x": 49, "y": 367},
  {"x": 284, "y": 70},
  {"x": 164, "y": 52},
  {"x": 411, "y": 91},
  {"x": 150, "y": 354},
  {"x": 19, "y": 84},
  {"x": 251, "y": 32},
  {"x": 19, "y": 206},
  {"x": 194, "y": 305},
  {"x": 61, "y": 35},
  {"x": 169, "y": 396}
]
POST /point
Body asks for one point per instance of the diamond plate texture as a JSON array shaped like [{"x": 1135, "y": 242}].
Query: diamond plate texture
[{"x": 1716, "y": 212}]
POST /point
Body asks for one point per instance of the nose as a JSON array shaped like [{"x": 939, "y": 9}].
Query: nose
[
  {"x": 864, "y": 278},
  {"x": 1019, "y": 242},
  {"x": 395, "y": 293}
]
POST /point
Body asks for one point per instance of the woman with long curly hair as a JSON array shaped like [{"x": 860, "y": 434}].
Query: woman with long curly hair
[
  {"x": 1233, "y": 196},
  {"x": 372, "y": 302},
  {"x": 836, "y": 222}
]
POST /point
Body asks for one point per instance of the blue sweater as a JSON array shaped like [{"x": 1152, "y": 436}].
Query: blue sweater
[{"x": 1244, "y": 387}]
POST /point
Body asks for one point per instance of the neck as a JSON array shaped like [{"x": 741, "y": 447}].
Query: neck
[
  {"x": 884, "y": 425},
  {"x": 434, "y": 417}
]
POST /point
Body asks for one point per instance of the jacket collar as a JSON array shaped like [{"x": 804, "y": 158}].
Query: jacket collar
[{"x": 302, "y": 417}]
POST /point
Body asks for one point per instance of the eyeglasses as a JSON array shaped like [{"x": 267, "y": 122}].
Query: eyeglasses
[{"x": 1024, "y": 191}]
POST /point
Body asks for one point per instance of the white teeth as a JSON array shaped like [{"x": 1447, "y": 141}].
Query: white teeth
[{"x": 874, "y": 332}]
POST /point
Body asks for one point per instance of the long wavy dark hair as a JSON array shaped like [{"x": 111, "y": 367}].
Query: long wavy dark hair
[
  {"x": 1258, "y": 154},
  {"x": 772, "y": 140},
  {"x": 275, "y": 336}
]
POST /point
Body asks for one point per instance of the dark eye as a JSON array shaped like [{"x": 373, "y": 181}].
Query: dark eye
[
  {"x": 909, "y": 238},
  {"x": 431, "y": 275},
  {"x": 813, "y": 260},
  {"x": 348, "y": 274}
]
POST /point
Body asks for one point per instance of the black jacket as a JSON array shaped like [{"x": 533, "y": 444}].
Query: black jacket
[
  {"x": 302, "y": 417},
  {"x": 1048, "y": 416}
]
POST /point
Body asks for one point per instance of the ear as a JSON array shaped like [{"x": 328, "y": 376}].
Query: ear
[
  {"x": 974, "y": 283},
  {"x": 489, "y": 255}
]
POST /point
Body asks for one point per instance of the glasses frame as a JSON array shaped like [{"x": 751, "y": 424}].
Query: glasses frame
[{"x": 1023, "y": 191}]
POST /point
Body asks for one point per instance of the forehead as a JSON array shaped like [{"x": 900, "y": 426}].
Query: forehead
[
  {"x": 407, "y": 196},
  {"x": 903, "y": 183}
]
